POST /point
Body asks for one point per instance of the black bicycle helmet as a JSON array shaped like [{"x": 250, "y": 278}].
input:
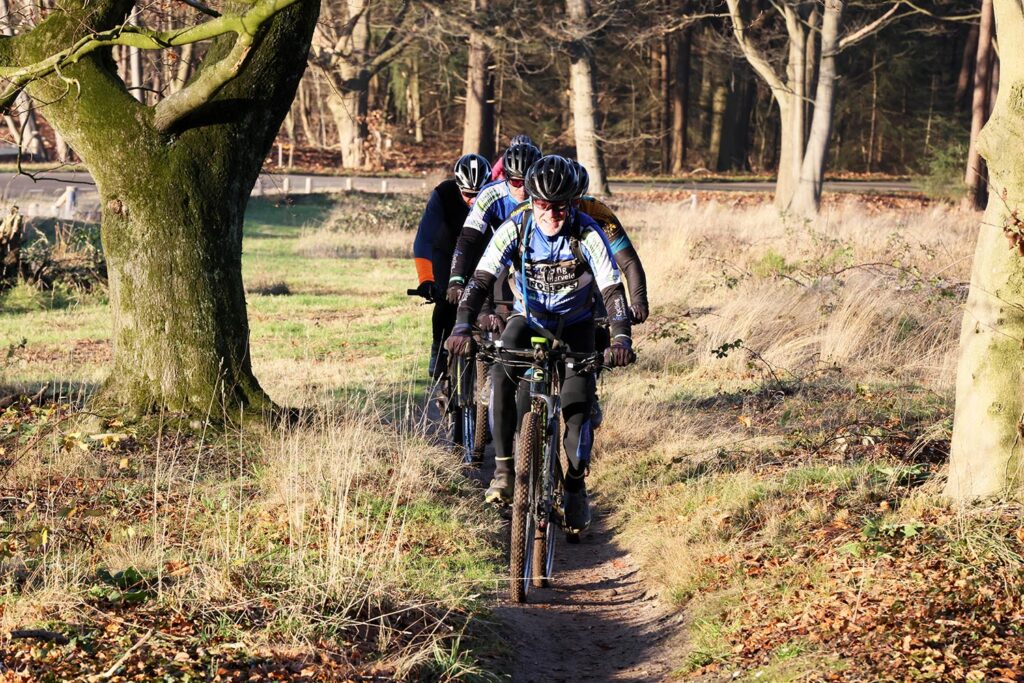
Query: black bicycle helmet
[
  {"x": 552, "y": 179},
  {"x": 522, "y": 139},
  {"x": 582, "y": 179},
  {"x": 472, "y": 172},
  {"x": 518, "y": 159}
]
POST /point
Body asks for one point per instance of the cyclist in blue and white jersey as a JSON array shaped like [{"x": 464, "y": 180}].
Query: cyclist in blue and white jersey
[{"x": 558, "y": 258}]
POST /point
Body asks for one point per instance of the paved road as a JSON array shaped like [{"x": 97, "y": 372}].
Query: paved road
[{"x": 45, "y": 187}]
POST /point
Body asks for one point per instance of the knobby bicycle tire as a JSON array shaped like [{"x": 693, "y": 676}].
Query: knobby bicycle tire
[
  {"x": 544, "y": 543},
  {"x": 481, "y": 426},
  {"x": 527, "y": 448}
]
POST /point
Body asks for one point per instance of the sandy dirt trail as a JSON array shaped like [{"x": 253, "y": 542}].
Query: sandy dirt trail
[{"x": 596, "y": 622}]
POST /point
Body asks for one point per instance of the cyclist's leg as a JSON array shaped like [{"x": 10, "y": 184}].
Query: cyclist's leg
[
  {"x": 602, "y": 340},
  {"x": 577, "y": 400},
  {"x": 577, "y": 397},
  {"x": 503, "y": 412}
]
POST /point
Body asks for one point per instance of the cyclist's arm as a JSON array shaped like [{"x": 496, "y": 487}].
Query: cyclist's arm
[
  {"x": 473, "y": 237},
  {"x": 629, "y": 263},
  {"x": 608, "y": 280},
  {"x": 497, "y": 256},
  {"x": 467, "y": 250},
  {"x": 622, "y": 248},
  {"x": 431, "y": 225}
]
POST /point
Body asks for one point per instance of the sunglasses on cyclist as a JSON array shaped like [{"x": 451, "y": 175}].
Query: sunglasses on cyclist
[
  {"x": 553, "y": 207},
  {"x": 516, "y": 182}
]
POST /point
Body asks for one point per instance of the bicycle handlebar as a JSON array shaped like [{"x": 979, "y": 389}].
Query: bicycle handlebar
[{"x": 587, "y": 362}]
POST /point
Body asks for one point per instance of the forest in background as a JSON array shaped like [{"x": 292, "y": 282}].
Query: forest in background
[{"x": 386, "y": 88}]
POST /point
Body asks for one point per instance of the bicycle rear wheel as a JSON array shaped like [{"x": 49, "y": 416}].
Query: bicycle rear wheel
[{"x": 521, "y": 554}]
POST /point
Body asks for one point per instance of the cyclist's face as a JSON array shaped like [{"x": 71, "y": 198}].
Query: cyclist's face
[
  {"x": 517, "y": 189},
  {"x": 468, "y": 198},
  {"x": 550, "y": 215}
]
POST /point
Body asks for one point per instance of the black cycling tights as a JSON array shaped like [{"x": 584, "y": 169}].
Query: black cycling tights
[{"x": 576, "y": 393}]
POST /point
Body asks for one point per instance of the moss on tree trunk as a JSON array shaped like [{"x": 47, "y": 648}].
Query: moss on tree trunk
[
  {"x": 987, "y": 456},
  {"x": 173, "y": 203},
  {"x": 173, "y": 249}
]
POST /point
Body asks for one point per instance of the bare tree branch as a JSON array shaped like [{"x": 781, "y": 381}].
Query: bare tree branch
[
  {"x": 866, "y": 30},
  {"x": 757, "y": 59},
  {"x": 245, "y": 25}
]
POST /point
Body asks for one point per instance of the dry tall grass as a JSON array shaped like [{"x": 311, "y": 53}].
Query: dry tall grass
[
  {"x": 343, "y": 235},
  {"x": 754, "y": 388},
  {"x": 273, "y": 540},
  {"x": 875, "y": 292}
]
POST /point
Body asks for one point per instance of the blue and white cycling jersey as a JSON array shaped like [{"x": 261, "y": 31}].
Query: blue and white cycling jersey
[
  {"x": 558, "y": 289},
  {"x": 492, "y": 206}
]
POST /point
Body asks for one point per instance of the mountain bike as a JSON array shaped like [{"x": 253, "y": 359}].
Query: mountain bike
[
  {"x": 463, "y": 417},
  {"x": 539, "y": 481}
]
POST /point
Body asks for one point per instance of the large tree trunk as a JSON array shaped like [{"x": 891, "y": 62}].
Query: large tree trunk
[
  {"x": 735, "y": 148},
  {"x": 790, "y": 149},
  {"x": 963, "y": 81},
  {"x": 807, "y": 197},
  {"x": 581, "y": 75},
  {"x": 979, "y": 107},
  {"x": 665, "y": 104},
  {"x": 173, "y": 204},
  {"x": 181, "y": 335},
  {"x": 680, "y": 100},
  {"x": 478, "y": 125},
  {"x": 719, "y": 101},
  {"x": 987, "y": 448}
]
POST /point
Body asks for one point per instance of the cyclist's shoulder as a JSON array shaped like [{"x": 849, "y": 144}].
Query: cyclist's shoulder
[
  {"x": 586, "y": 223},
  {"x": 591, "y": 233},
  {"x": 598, "y": 210},
  {"x": 520, "y": 212},
  {"x": 495, "y": 188},
  {"x": 447, "y": 191}
]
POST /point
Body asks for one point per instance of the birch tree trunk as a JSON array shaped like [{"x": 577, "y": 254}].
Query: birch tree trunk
[
  {"x": 987, "y": 452},
  {"x": 135, "y": 63},
  {"x": 979, "y": 107},
  {"x": 680, "y": 100},
  {"x": 415, "y": 98},
  {"x": 24, "y": 130},
  {"x": 807, "y": 196},
  {"x": 581, "y": 78},
  {"x": 478, "y": 124},
  {"x": 184, "y": 70}
]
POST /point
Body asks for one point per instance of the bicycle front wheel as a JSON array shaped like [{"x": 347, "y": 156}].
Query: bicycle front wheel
[
  {"x": 469, "y": 429},
  {"x": 521, "y": 555},
  {"x": 548, "y": 487},
  {"x": 481, "y": 426}
]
